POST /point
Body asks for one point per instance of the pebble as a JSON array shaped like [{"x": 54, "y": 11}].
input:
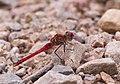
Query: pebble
[
  {"x": 23, "y": 45},
  {"x": 14, "y": 35},
  {"x": 98, "y": 65},
  {"x": 96, "y": 7},
  {"x": 21, "y": 72},
  {"x": 92, "y": 14},
  {"x": 99, "y": 40},
  {"x": 26, "y": 9},
  {"x": 3, "y": 27},
  {"x": 2, "y": 67},
  {"x": 89, "y": 79},
  {"x": 72, "y": 56},
  {"x": 117, "y": 36},
  {"x": 98, "y": 52},
  {"x": 40, "y": 14},
  {"x": 79, "y": 4},
  {"x": 94, "y": 54},
  {"x": 107, "y": 78},
  {"x": 82, "y": 74},
  {"x": 5, "y": 15},
  {"x": 4, "y": 35},
  {"x": 20, "y": 35},
  {"x": 35, "y": 36},
  {"x": 80, "y": 36},
  {"x": 70, "y": 24},
  {"x": 113, "y": 51},
  {"x": 109, "y": 23},
  {"x": 112, "y": 4},
  {"x": 66, "y": 70},
  {"x": 15, "y": 50},
  {"x": 28, "y": 17},
  {"x": 9, "y": 78},
  {"x": 5, "y": 45},
  {"x": 57, "y": 78},
  {"x": 9, "y": 3},
  {"x": 85, "y": 23},
  {"x": 14, "y": 26}
]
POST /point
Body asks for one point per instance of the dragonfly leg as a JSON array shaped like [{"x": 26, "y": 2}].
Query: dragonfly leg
[
  {"x": 64, "y": 47},
  {"x": 62, "y": 61},
  {"x": 67, "y": 48}
]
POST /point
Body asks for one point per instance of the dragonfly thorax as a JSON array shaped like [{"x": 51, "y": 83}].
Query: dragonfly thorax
[{"x": 58, "y": 39}]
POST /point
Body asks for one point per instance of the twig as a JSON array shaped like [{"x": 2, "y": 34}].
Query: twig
[{"x": 38, "y": 74}]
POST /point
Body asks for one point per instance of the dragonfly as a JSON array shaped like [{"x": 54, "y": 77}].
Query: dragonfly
[{"x": 57, "y": 40}]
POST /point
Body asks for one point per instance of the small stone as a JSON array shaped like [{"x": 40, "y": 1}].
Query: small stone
[
  {"x": 26, "y": 9},
  {"x": 82, "y": 74},
  {"x": 109, "y": 23},
  {"x": 13, "y": 54},
  {"x": 80, "y": 36},
  {"x": 9, "y": 62},
  {"x": 29, "y": 71},
  {"x": 5, "y": 15},
  {"x": 11, "y": 3},
  {"x": 92, "y": 13},
  {"x": 35, "y": 37},
  {"x": 94, "y": 54},
  {"x": 89, "y": 79},
  {"x": 53, "y": 77},
  {"x": 107, "y": 78},
  {"x": 14, "y": 26},
  {"x": 21, "y": 72},
  {"x": 96, "y": 7},
  {"x": 27, "y": 2},
  {"x": 40, "y": 14},
  {"x": 98, "y": 77},
  {"x": 66, "y": 70},
  {"x": 24, "y": 34},
  {"x": 30, "y": 82},
  {"x": 72, "y": 56},
  {"x": 14, "y": 35},
  {"x": 13, "y": 57},
  {"x": 23, "y": 45},
  {"x": 70, "y": 24},
  {"x": 28, "y": 17},
  {"x": 2, "y": 51},
  {"x": 9, "y": 78},
  {"x": 79, "y": 4},
  {"x": 15, "y": 50},
  {"x": 3, "y": 27},
  {"x": 118, "y": 76},
  {"x": 99, "y": 40},
  {"x": 117, "y": 36},
  {"x": 2, "y": 67},
  {"x": 4, "y": 35},
  {"x": 98, "y": 65},
  {"x": 6, "y": 45},
  {"x": 113, "y": 51},
  {"x": 112, "y": 4},
  {"x": 85, "y": 23}
]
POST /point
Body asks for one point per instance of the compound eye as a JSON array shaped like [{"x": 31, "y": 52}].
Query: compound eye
[{"x": 67, "y": 33}]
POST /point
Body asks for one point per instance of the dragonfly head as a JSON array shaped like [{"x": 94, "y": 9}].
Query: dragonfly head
[{"x": 69, "y": 36}]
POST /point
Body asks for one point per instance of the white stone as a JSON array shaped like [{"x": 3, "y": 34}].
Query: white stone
[{"x": 110, "y": 21}]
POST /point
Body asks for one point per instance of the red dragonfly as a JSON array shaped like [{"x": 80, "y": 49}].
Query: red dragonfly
[{"x": 58, "y": 39}]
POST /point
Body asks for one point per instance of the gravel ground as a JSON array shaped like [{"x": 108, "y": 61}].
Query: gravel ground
[{"x": 92, "y": 57}]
